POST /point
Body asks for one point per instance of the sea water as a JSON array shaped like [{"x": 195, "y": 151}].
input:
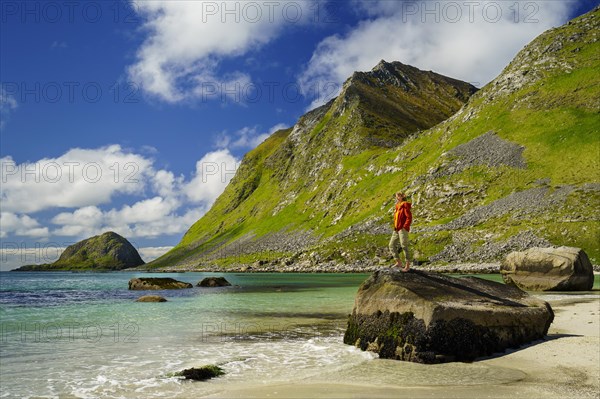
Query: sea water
[{"x": 83, "y": 335}]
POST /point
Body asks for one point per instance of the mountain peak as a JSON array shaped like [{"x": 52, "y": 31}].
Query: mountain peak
[
  {"x": 300, "y": 175},
  {"x": 396, "y": 100},
  {"x": 384, "y": 65},
  {"x": 320, "y": 196}
]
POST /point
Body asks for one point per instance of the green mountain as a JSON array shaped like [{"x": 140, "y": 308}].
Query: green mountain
[
  {"x": 108, "y": 251},
  {"x": 517, "y": 166}
]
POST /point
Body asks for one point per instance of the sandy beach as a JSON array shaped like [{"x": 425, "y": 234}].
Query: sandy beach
[{"x": 564, "y": 365}]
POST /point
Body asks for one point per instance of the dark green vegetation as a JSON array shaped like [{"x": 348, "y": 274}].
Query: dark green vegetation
[
  {"x": 108, "y": 251},
  {"x": 443, "y": 341},
  {"x": 201, "y": 373},
  {"x": 525, "y": 174}
]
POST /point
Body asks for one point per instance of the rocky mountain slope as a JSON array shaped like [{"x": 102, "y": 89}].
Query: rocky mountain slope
[
  {"x": 517, "y": 166},
  {"x": 108, "y": 251}
]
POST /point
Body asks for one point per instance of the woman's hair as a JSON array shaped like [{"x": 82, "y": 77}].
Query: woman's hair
[{"x": 401, "y": 194}]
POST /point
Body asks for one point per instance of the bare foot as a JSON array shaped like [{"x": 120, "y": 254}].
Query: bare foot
[{"x": 405, "y": 270}]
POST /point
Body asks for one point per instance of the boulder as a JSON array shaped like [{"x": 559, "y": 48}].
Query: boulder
[
  {"x": 151, "y": 298},
  {"x": 214, "y": 282},
  {"x": 157, "y": 283},
  {"x": 201, "y": 373},
  {"x": 549, "y": 269},
  {"x": 433, "y": 318}
]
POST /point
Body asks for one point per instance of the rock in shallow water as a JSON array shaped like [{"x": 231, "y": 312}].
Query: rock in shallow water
[
  {"x": 214, "y": 282},
  {"x": 157, "y": 283},
  {"x": 151, "y": 298},
  {"x": 549, "y": 269},
  {"x": 431, "y": 318}
]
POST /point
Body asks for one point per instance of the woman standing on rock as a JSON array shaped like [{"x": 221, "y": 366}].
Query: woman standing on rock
[{"x": 399, "y": 240}]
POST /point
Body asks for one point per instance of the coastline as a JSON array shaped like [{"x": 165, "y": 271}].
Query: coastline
[
  {"x": 289, "y": 363},
  {"x": 306, "y": 267},
  {"x": 330, "y": 267},
  {"x": 563, "y": 365},
  {"x": 455, "y": 268}
]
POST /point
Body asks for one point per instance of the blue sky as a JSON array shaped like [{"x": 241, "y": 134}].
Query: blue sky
[{"x": 132, "y": 116}]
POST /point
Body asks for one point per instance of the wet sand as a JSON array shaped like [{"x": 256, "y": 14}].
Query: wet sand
[{"x": 564, "y": 365}]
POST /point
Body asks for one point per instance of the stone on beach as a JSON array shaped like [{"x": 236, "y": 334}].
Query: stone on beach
[
  {"x": 214, "y": 282},
  {"x": 157, "y": 283},
  {"x": 432, "y": 318},
  {"x": 549, "y": 269},
  {"x": 201, "y": 373},
  {"x": 151, "y": 298}
]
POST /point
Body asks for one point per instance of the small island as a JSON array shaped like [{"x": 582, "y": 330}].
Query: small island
[{"x": 105, "y": 252}]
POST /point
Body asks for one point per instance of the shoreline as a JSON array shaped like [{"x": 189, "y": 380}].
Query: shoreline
[
  {"x": 454, "y": 268},
  {"x": 458, "y": 268},
  {"x": 467, "y": 268},
  {"x": 563, "y": 365}
]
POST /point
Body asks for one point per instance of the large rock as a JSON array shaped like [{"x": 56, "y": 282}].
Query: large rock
[
  {"x": 214, "y": 282},
  {"x": 432, "y": 318},
  {"x": 549, "y": 269},
  {"x": 157, "y": 283}
]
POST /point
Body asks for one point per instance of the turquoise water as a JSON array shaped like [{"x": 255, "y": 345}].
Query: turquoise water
[{"x": 83, "y": 335}]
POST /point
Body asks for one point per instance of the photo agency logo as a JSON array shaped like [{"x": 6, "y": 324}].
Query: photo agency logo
[
  {"x": 55, "y": 332},
  {"x": 68, "y": 172},
  {"x": 129, "y": 92},
  {"x": 469, "y": 11},
  {"x": 72, "y": 92},
  {"x": 238, "y": 252},
  {"x": 128, "y": 12},
  {"x": 36, "y": 253},
  {"x": 235, "y": 331}
]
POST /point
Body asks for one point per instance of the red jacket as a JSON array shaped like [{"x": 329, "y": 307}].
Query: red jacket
[{"x": 402, "y": 216}]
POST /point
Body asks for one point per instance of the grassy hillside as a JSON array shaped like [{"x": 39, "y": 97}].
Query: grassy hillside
[{"x": 517, "y": 166}]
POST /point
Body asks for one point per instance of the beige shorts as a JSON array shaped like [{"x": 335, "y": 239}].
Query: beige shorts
[{"x": 399, "y": 242}]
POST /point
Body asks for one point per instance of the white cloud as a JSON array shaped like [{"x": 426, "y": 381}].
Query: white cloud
[
  {"x": 151, "y": 253},
  {"x": 83, "y": 221},
  {"x": 58, "y": 44},
  {"x": 78, "y": 178},
  {"x": 167, "y": 204},
  {"x": 145, "y": 211},
  {"x": 187, "y": 40},
  {"x": 472, "y": 43},
  {"x": 213, "y": 173},
  {"x": 7, "y": 104},
  {"x": 175, "y": 207},
  {"x": 23, "y": 225},
  {"x": 165, "y": 183},
  {"x": 128, "y": 221}
]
